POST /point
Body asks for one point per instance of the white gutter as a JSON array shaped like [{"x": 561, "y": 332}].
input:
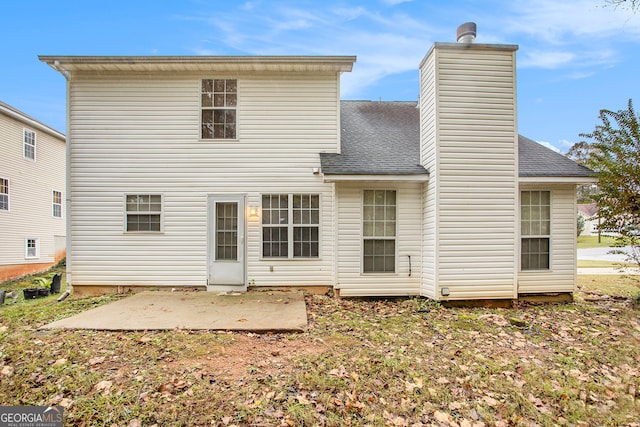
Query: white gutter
[
  {"x": 360, "y": 178},
  {"x": 558, "y": 179}
]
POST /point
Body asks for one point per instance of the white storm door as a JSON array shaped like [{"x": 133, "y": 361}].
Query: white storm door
[{"x": 226, "y": 240}]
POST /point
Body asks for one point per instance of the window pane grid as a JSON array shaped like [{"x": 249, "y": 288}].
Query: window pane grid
[
  {"x": 219, "y": 99},
  {"x": 32, "y": 248},
  {"x": 57, "y": 204},
  {"x": 290, "y": 225},
  {"x": 4, "y": 194},
  {"x": 227, "y": 231},
  {"x": 535, "y": 224},
  {"x": 379, "y": 231},
  {"x": 29, "y": 144},
  {"x": 275, "y": 242},
  {"x": 379, "y": 256},
  {"x": 143, "y": 212},
  {"x": 535, "y": 253}
]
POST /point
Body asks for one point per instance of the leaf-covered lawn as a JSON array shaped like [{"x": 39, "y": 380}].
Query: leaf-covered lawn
[{"x": 399, "y": 362}]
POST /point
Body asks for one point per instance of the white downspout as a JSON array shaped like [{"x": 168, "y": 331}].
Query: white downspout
[{"x": 67, "y": 75}]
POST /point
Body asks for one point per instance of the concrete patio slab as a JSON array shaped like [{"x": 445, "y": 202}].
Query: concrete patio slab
[{"x": 160, "y": 310}]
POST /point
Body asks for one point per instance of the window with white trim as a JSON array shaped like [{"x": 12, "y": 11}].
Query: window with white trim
[
  {"x": 4, "y": 194},
  {"x": 29, "y": 143},
  {"x": 535, "y": 229},
  {"x": 379, "y": 231},
  {"x": 143, "y": 212},
  {"x": 56, "y": 207},
  {"x": 290, "y": 225},
  {"x": 31, "y": 249},
  {"x": 219, "y": 99}
]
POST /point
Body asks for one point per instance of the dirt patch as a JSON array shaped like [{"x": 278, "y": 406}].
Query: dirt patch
[{"x": 256, "y": 354}]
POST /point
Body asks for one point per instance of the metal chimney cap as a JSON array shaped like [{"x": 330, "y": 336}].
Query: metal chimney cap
[{"x": 466, "y": 32}]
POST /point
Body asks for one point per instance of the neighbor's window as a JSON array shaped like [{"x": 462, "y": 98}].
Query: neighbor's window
[
  {"x": 379, "y": 231},
  {"x": 535, "y": 229},
  {"x": 290, "y": 225},
  {"x": 219, "y": 100},
  {"x": 29, "y": 138},
  {"x": 143, "y": 212},
  {"x": 57, "y": 204},
  {"x": 31, "y": 248},
  {"x": 4, "y": 194}
]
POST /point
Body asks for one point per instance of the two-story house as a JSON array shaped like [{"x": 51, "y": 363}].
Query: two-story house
[
  {"x": 235, "y": 171},
  {"x": 32, "y": 192}
]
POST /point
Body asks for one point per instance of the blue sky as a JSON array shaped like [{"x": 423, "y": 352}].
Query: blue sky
[{"x": 575, "y": 57}]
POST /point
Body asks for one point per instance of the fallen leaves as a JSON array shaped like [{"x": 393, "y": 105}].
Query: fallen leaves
[
  {"x": 104, "y": 387},
  {"x": 362, "y": 362},
  {"x": 7, "y": 371}
]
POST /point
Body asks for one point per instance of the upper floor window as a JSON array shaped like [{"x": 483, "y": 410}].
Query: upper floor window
[
  {"x": 29, "y": 139},
  {"x": 4, "y": 194},
  {"x": 56, "y": 207},
  {"x": 290, "y": 225},
  {"x": 143, "y": 212},
  {"x": 379, "y": 231},
  {"x": 219, "y": 100},
  {"x": 535, "y": 229}
]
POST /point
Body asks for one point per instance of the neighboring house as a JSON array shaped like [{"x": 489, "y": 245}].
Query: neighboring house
[
  {"x": 589, "y": 212},
  {"x": 229, "y": 172},
  {"x": 32, "y": 192}
]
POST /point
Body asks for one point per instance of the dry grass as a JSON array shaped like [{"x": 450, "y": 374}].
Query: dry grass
[{"x": 397, "y": 362}]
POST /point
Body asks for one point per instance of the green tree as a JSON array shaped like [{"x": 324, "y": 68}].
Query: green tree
[
  {"x": 579, "y": 224},
  {"x": 615, "y": 155}
]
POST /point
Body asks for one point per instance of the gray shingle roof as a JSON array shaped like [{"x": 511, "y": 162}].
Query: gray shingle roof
[
  {"x": 538, "y": 161},
  {"x": 378, "y": 138},
  {"x": 383, "y": 138}
]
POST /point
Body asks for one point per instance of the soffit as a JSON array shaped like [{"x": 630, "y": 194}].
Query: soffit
[{"x": 200, "y": 63}]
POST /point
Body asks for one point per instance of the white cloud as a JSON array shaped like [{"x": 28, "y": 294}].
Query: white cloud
[
  {"x": 395, "y": 2},
  {"x": 565, "y": 144},
  {"x": 559, "y": 22},
  {"x": 549, "y": 145},
  {"x": 546, "y": 59}
]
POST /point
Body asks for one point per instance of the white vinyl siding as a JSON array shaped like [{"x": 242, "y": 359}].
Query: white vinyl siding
[
  {"x": 141, "y": 135},
  {"x": 469, "y": 144},
  {"x": 561, "y": 276},
  {"x": 350, "y": 277},
  {"x": 428, "y": 157},
  {"x": 29, "y": 200}
]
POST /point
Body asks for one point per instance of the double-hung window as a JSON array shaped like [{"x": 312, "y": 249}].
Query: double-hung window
[
  {"x": 4, "y": 194},
  {"x": 379, "y": 231},
  {"x": 56, "y": 207},
  {"x": 535, "y": 229},
  {"x": 219, "y": 99},
  {"x": 29, "y": 143},
  {"x": 143, "y": 212},
  {"x": 31, "y": 249},
  {"x": 290, "y": 225}
]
